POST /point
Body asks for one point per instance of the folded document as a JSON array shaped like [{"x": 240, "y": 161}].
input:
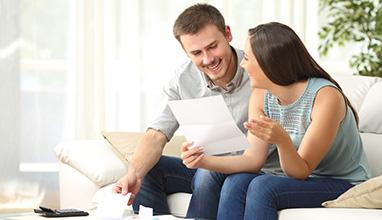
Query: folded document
[{"x": 208, "y": 123}]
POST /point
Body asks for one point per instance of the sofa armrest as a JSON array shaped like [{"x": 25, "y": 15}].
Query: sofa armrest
[
  {"x": 76, "y": 190},
  {"x": 93, "y": 158}
]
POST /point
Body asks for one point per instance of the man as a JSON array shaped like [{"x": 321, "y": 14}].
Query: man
[{"x": 212, "y": 70}]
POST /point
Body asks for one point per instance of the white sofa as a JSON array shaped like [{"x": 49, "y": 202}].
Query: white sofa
[{"x": 89, "y": 167}]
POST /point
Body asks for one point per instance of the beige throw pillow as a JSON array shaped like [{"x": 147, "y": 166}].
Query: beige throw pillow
[
  {"x": 124, "y": 144},
  {"x": 365, "y": 195}
]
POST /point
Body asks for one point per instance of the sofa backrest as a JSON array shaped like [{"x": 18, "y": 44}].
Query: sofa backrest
[{"x": 365, "y": 94}]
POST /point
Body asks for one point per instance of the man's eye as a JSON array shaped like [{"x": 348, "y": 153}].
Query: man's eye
[
  {"x": 213, "y": 46},
  {"x": 196, "y": 53}
]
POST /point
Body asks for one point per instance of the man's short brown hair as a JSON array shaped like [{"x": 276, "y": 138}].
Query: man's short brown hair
[{"x": 196, "y": 17}]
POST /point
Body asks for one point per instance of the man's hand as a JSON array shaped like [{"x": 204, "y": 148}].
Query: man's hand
[
  {"x": 192, "y": 156},
  {"x": 129, "y": 183}
]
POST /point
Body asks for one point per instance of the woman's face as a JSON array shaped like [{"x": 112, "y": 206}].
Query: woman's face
[{"x": 249, "y": 63}]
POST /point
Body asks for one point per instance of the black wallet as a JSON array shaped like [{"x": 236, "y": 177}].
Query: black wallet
[{"x": 47, "y": 212}]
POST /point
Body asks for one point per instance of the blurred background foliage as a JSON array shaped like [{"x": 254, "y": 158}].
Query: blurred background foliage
[{"x": 354, "y": 21}]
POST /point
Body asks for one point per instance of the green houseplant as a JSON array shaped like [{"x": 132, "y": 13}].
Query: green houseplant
[{"x": 354, "y": 21}]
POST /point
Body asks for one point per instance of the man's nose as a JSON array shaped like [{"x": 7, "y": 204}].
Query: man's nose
[{"x": 207, "y": 59}]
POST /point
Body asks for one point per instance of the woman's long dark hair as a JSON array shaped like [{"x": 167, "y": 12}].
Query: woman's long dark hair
[{"x": 283, "y": 57}]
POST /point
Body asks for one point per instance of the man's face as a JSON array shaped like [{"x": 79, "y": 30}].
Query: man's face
[{"x": 210, "y": 51}]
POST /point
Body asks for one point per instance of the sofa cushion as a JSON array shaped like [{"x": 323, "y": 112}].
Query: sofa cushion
[
  {"x": 365, "y": 195},
  {"x": 89, "y": 158},
  {"x": 373, "y": 149},
  {"x": 124, "y": 143},
  {"x": 371, "y": 109},
  {"x": 329, "y": 214},
  {"x": 177, "y": 202},
  {"x": 363, "y": 93},
  {"x": 355, "y": 87}
]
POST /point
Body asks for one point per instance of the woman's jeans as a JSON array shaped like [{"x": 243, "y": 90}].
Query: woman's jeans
[
  {"x": 261, "y": 196},
  {"x": 170, "y": 175}
]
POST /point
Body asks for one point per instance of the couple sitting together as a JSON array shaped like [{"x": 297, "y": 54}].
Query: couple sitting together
[{"x": 304, "y": 145}]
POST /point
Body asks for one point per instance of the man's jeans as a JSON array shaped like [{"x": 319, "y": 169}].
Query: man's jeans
[
  {"x": 260, "y": 196},
  {"x": 170, "y": 175}
]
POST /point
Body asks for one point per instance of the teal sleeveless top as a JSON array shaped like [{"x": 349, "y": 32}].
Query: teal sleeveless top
[{"x": 345, "y": 160}]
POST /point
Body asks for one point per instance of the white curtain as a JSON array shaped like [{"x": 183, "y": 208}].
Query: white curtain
[
  {"x": 85, "y": 116},
  {"x": 9, "y": 95},
  {"x": 72, "y": 68}
]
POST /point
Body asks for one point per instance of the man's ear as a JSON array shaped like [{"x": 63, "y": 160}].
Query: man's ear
[{"x": 228, "y": 33}]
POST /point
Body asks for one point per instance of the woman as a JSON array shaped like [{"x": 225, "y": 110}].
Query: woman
[{"x": 304, "y": 142}]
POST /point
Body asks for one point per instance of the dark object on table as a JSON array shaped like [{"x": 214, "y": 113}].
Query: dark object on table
[{"x": 47, "y": 212}]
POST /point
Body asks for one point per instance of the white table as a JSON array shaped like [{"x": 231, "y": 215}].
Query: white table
[{"x": 34, "y": 216}]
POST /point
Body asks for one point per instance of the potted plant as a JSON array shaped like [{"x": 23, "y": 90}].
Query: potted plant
[{"x": 354, "y": 21}]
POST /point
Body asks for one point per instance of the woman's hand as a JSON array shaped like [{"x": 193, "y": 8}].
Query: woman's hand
[
  {"x": 192, "y": 156},
  {"x": 267, "y": 130}
]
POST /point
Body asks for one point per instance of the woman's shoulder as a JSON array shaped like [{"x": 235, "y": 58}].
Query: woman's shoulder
[
  {"x": 329, "y": 92},
  {"x": 327, "y": 99},
  {"x": 325, "y": 89}
]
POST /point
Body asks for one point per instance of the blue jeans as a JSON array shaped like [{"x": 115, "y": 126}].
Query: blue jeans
[
  {"x": 261, "y": 196},
  {"x": 170, "y": 175}
]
